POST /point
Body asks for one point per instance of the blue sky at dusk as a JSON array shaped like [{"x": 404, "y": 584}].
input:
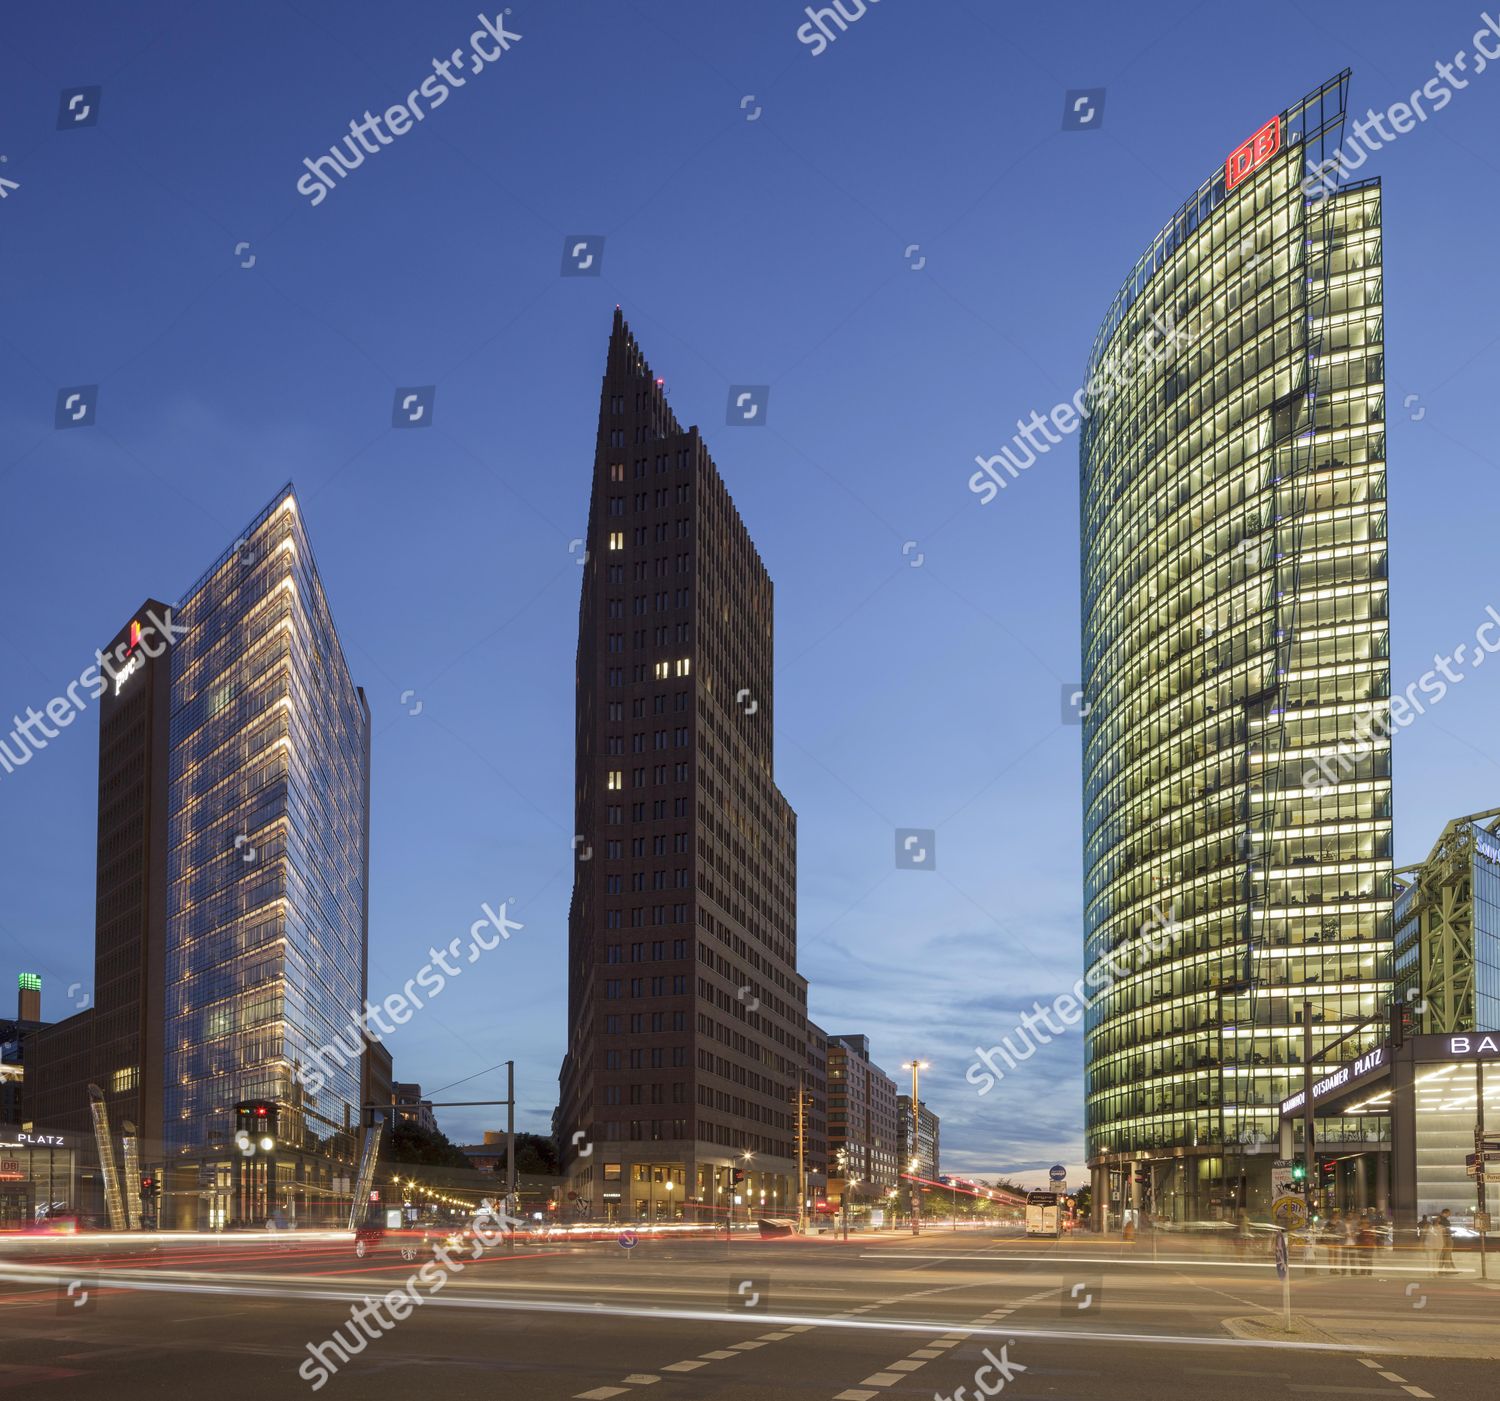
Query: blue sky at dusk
[{"x": 757, "y": 204}]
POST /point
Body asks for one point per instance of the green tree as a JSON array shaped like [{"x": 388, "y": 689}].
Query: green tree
[{"x": 413, "y": 1146}]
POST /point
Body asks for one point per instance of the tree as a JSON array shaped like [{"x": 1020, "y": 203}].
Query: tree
[
  {"x": 414, "y": 1146},
  {"x": 536, "y": 1153}
]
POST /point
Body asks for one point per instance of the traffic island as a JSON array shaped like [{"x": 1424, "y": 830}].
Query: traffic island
[{"x": 1401, "y": 1337}]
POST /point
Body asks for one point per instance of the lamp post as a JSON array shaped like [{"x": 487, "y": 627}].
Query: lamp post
[{"x": 915, "y": 1066}]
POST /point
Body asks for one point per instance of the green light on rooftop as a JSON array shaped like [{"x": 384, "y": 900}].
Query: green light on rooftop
[{"x": 31, "y": 982}]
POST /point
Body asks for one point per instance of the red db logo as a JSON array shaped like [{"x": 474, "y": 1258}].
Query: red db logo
[{"x": 1247, "y": 159}]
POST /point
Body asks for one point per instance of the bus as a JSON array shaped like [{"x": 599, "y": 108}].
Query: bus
[{"x": 1044, "y": 1214}]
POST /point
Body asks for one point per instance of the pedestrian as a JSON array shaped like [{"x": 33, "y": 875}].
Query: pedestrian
[
  {"x": 1432, "y": 1242},
  {"x": 1364, "y": 1243},
  {"x": 1445, "y": 1256},
  {"x": 1335, "y": 1236},
  {"x": 1241, "y": 1231}
]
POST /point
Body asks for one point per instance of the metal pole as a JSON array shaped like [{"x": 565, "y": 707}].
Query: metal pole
[
  {"x": 510, "y": 1139},
  {"x": 1307, "y": 1103},
  {"x": 801, "y": 1160},
  {"x": 1479, "y": 1172},
  {"x": 916, "y": 1151}
]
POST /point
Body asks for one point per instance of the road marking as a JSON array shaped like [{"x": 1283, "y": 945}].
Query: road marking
[
  {"x": 883, "y": 1379},
  {"x": 1370, "y": 1362},
  {"x": 773, "y": 1337},
  {"x": 1417, "y": 1391},
  {"x": 1342, "y": 1390},
  {"x": 641, "y": 1379},
  {"x": 745, "y": 1347},
  {"x": 683, "y": 1366},
  {"x": 718, "y": 1356},
  {"x": 1392, "y": 1377},
  {"x": 855, "y": 1395},
  {"x": 600, "y": 1393},
  {"x": 323, "y": 1294},
  {"x": 905, "y": 1366},
  {"x": 928, "y": 1352}
]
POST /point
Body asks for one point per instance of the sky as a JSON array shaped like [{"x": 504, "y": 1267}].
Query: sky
[{"x": 895, "y": 234}]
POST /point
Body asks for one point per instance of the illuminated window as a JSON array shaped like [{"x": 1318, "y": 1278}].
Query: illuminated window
[
  {"x": 614, "y": 783},
  {"x": 617, "y": 539},
  {"x": 684, "y": 665}
]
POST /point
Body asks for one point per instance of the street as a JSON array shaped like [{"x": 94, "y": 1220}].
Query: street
[{"x": 882, "y": 1315}]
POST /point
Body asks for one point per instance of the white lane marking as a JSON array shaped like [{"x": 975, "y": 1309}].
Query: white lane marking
[
  {"x": 1125, "y": 1261},
  {"x": 592, "y": 1310},
  {"x": 1417, "y": 1391},
  {"x": 854, "y": 1394},
  {"x": 600, "y": 1393},
  {"x": 683, "y": 1366},
  {"x": 883, "y": 1379}
]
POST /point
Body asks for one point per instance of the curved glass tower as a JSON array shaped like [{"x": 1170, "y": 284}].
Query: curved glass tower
[{"x": 1237, "y": 813}]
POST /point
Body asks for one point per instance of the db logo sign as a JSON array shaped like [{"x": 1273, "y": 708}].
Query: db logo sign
[{"x": 1247, "y": 159}]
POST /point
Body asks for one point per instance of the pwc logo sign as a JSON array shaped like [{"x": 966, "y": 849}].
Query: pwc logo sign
[{"x": 1245, "y": 160}]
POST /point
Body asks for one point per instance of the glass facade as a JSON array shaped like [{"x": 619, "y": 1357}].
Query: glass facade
[
  {"x": 1235, "y": 661},
  {"x": 267, "y": 861}
]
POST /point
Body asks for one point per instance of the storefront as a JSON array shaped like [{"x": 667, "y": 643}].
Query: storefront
[
  {"x": 46, "y": 1176},
  {"x": 1434, "y": 1092}
]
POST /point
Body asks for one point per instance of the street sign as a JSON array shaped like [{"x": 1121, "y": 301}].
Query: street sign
[
  {"x": 628, "y": 1240},
  {"x": 1057, "y": 1173},
  {"x": 1280, "y": 1254},
  {"x": 1490, "y": 1155},
  {"x": 1290, "y": 1213}
]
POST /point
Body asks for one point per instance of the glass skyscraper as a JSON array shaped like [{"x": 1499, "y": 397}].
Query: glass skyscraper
[
  {"x": 267, "y": 867},
  {"x": 1237, "y": 805}
]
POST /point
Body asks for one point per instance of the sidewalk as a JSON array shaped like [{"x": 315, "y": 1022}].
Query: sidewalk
[{"x": 1414, "y": 1337}]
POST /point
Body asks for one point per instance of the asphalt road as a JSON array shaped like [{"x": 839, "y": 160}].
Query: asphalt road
[{"x": 814, "y": 1320}]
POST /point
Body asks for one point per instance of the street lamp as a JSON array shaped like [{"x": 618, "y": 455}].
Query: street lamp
[{"x": 915, "y": 1066}]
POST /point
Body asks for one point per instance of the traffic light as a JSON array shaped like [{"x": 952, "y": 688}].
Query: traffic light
[
  {"x": 255, "y": 1126},
  {"x": 1299, "y": 1172},
  {"x": 1403, "y": 1021},
  {"x": 148, "y": 1184},
  {"x": 737, "y": 1176},
  {"x": 1327, "y": 1170}
]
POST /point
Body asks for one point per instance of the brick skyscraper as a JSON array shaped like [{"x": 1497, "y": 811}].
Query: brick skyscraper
[{"x": 687, "y": 1017}]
